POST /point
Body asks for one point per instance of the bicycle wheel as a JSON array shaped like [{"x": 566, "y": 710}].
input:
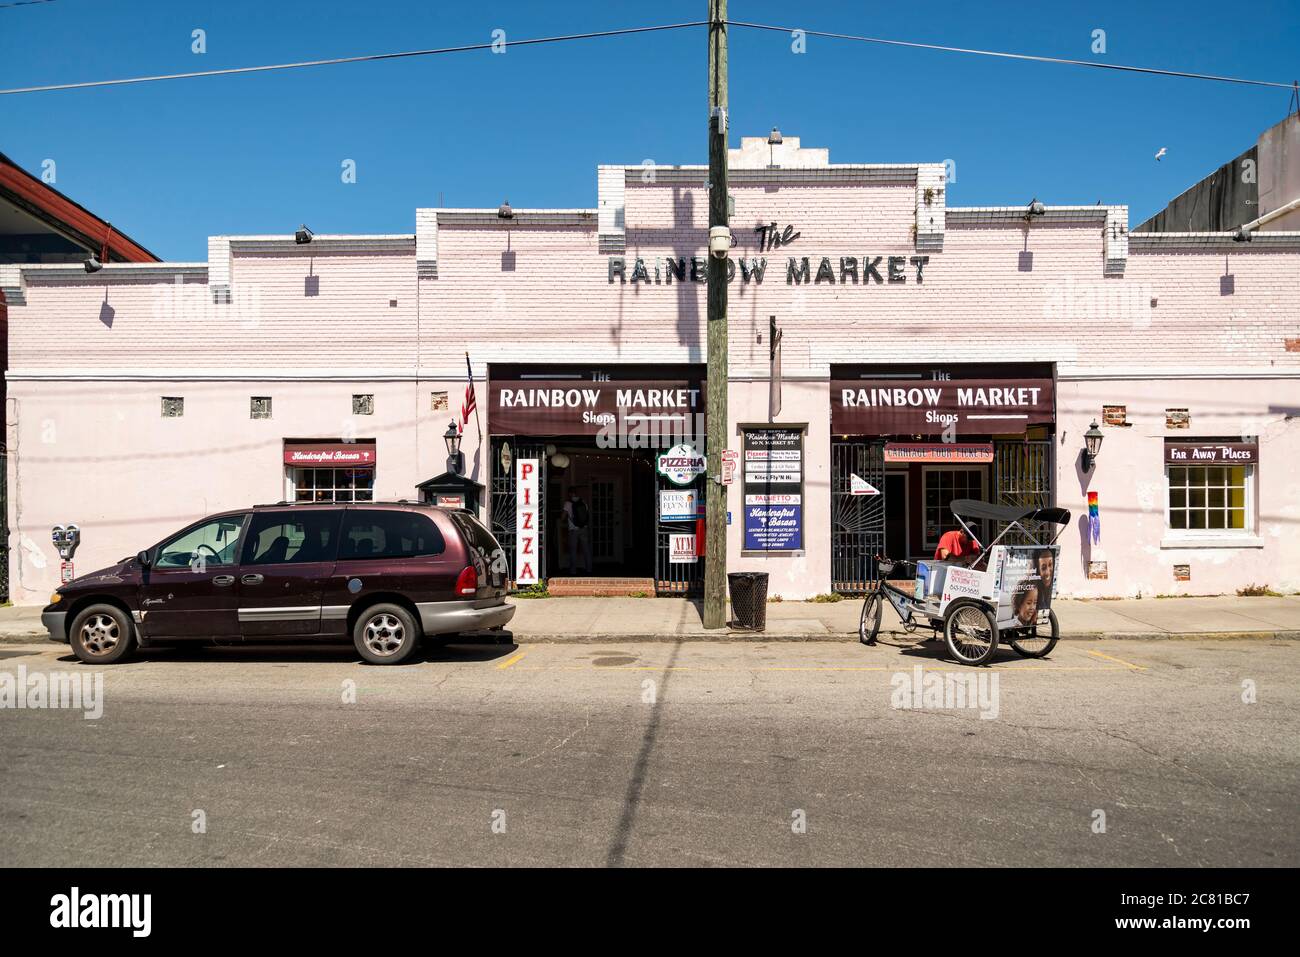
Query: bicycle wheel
[
  {"x": 971, "y": 633},
  {"x": 1036, "y": 642},
  {"x": 869, "y": 621}
]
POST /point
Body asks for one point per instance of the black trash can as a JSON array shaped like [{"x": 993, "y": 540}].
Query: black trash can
[{"x": 748, "y": 599}]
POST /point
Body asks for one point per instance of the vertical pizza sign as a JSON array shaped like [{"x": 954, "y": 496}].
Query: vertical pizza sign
[
  {"x": 773, "y": 487},
  {"x": 526, "y": 524}
]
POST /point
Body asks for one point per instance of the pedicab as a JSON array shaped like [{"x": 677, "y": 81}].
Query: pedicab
[{"x": 1005, "y": 594}]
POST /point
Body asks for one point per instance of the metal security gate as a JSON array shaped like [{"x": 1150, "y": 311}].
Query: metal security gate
[
  {"x": 502, "y": 496},
  {"x": 857, "y": 521},
  {"x": 1022, "y": 476},
  {"x": 682, "y": 578}
]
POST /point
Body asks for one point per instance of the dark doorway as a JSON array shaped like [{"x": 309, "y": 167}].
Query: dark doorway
[
  {"x": 617, "y": 487},
  {"x": 896, "y": 516}
]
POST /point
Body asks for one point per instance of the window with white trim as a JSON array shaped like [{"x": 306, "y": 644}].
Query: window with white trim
[
  {"x": 941, "y": 486},
  {"x": 333, "y": 485},
  {"x": 1211, "y": 499}
]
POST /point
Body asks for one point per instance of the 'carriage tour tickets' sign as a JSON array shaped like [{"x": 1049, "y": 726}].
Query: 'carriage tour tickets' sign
[{"x": 773, "y": 489}]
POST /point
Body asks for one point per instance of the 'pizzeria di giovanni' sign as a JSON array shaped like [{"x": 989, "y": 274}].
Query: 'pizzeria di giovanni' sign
[{"x": 681, "y": 464}]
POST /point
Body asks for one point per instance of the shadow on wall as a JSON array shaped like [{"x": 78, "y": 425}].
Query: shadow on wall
[
  {"x": 106, "y": 312},
  {"x": 688, "y": 297},
  {"x": 1085, "y": 541}
]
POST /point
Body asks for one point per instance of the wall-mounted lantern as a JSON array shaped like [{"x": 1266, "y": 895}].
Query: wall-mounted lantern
[
  {"x": 1092, "y": 446},
  {"x": 455, "y": 461}
]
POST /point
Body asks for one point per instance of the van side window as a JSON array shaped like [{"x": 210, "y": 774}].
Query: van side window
[
  {"x": 388, "y": 534},
  {"x": 212, "y": 543},
  {"x": 276, "y": 538}
]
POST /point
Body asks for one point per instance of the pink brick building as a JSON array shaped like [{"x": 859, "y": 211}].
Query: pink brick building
[{"x": 928, "y": 351}]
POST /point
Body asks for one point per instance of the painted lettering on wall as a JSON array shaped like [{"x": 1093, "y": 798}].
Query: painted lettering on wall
[{"x": 799, "y": 270}]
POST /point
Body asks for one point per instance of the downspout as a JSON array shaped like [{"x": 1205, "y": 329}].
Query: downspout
[{"x": 1242, "y": 234}]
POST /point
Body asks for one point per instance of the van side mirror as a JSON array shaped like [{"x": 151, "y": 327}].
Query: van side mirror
[{"x": 144, "y": 559}]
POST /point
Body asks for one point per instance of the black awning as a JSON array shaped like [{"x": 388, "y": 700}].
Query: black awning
[
  {"x": 450, "y": 481},
  {"x": 973, "y": 508}
]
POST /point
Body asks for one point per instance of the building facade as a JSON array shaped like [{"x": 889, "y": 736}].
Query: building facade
[
  {"x": 927, "y": 352},
  {"x": 38, "y": 224}
]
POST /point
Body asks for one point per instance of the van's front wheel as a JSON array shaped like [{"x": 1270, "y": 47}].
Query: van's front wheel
[{"x": 102, "y": 635}]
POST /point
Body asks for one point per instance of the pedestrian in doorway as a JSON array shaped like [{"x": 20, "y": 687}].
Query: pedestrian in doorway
[{"x": 578, "y": 520}]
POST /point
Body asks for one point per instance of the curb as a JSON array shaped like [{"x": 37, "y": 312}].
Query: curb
[
  {"x": 27, "y": 639},
  {"x": 41, "y": 637},
  {"x": 761, "y": 636}
]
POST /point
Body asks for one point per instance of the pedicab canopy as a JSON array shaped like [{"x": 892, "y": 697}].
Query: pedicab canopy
[{"x": 973, "y": 508}]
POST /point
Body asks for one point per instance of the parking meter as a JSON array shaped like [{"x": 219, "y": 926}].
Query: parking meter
[{"x": 66, "y": 539}]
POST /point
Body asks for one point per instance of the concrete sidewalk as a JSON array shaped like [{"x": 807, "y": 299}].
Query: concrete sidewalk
[
  {"x": 669, "y": 619},
  {"x": 650, "y": 619}
]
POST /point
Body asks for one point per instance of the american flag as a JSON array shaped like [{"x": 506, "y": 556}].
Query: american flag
[{"x": 469, "y": 404}]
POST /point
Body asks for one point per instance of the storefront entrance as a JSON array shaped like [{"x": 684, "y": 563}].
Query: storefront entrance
[
  {"x": 907, "y": 440},
  {"x": 603, "y": 509}
]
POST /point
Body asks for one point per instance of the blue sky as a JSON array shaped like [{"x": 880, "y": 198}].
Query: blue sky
[{"x": 171, "y": 163}]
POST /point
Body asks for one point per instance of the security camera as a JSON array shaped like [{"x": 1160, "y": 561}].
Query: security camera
[{"x": 719, "y": 241}]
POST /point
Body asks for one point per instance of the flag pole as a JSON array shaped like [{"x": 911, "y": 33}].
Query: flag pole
[{"x": 478, "y": 423}]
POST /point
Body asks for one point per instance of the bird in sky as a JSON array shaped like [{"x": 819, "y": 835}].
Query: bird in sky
[{"x": 1162, "y": 152}]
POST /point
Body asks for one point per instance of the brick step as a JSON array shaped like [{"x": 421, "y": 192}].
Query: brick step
[{"x": 601, "y": 587}]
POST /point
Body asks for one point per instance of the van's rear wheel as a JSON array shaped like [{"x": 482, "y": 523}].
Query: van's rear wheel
[
  {"x": 102, "y": 635},
  {"x": 386, "y": 634}
]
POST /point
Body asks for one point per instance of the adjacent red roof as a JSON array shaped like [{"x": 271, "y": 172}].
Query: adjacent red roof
[{"x": 66, "y": 216}]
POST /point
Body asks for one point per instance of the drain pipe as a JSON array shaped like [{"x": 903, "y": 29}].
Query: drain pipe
[{"x": 1242, "y": 234}]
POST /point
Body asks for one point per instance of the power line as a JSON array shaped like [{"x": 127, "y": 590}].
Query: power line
[
  {"x": 635, "y": 30},
  {"x": 23, "y": 3},
  {"x": 352, "y": 59},
  {"x": 1011, "y": 56}
]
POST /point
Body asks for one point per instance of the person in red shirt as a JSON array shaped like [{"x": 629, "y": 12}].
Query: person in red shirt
[{"x": 958, "y": 547}]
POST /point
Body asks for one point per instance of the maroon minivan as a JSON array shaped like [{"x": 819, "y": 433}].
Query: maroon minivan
[{"x": 384, "y": 574}]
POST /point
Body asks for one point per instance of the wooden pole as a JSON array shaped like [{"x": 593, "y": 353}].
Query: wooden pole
[{"x": 715, "y": 562}]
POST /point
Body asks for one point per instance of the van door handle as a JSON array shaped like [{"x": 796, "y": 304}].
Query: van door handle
[
  {"x": 252, "y": 579},
  {"x": 224, "y": 580}
]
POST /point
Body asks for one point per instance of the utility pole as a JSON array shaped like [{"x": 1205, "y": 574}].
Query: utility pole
[{"x": 715, "y": 516}]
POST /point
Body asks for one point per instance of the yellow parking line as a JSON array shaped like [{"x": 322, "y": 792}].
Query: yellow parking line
[
  {"x": 1126, "y": 664},
  {"x": 510, "y": 661}
]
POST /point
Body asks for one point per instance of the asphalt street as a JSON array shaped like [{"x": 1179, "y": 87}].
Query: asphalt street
[{"x": 661, "y": 753}]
